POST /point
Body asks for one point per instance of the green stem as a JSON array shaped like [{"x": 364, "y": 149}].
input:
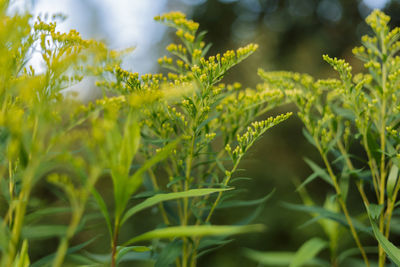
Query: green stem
[
  {"x": 349, "y": 164},
  {"x": 382, "y": 255},
  {"x": 189, "y": 161},
  {"x": 343, "y": 204},
  {"x": 114, "y": 242}
]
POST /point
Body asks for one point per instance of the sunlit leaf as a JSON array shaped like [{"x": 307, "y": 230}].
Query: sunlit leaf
[{"x": 195, "y": 231}]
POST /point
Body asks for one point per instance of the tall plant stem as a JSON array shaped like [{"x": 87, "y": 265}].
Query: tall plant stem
[
  {"x": 343, "y": 205},
  {"x": 372, "y": 165},
  {"x": 213, "y": 207},
  {"x": 382, "y": 255},
  {"x": 114, "y": 242},
  {"x": 349, "y": 164},
  {"x": 189, "y": 161}
]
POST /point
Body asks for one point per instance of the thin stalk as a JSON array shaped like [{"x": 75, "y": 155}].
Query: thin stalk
[
  {"x": 349, "y": 164},
  {"x": 382, "y": 255},
  {"x": 175, "y": 189},
  {"x": 227, "y": 179},
  {"x": 213, "y": 207},
  {"x": 372, "y": 166},
  {"x": 11, "y": 188},
  {"x": 114, "y": 242},
  {"x": 343, "y": 205},
  {"x": 189, "y": 161}
]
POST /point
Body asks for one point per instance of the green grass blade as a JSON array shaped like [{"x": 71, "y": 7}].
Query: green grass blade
[
  {"x": 195, "y": 231},
  {"x": 169, "y": 196}
]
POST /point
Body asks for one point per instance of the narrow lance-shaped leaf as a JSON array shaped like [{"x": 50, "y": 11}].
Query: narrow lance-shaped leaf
[
  {"x": 338, "y": 217},
  {"x": 49, "y": 258},
  {"x": 195, "y": 231},
  {"x": 319, "y": 171},
  {"x": 170, "y": 196},
  {"x": 136, "y": 179},
  {"x": 392, "y": 180},
  {"x": 103, "y": 209},
  {"x": 308, "y": 251},
  {"x": 391, "y": 250},
  {"x": 130, "y": 142}
]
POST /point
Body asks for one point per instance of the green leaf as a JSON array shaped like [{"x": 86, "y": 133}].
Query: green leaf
[
  {"x": 195, "y": 231},
  {"x": 245, "y": 203},
  {"x": 4, "y": 237},
  {"x": 169, "y": 196},
  {"x": 169, "y": 254},
  {"x": 309, "y": 137},
  {"x": 308, "y": 251},
  {"x": 22, "y": 259},
  {"x": 216, "y": 246},
  {"x": 308, "y": 180},
  {"x": 161, "y": 155},
  {"x": 103, "y": 209},
  {"x": 354, "y": 252},
  {"x": 344, "y": 182},
  {"x": 210, "y": 244},
  {"x": 43, "y": 231},
  {"x": 249, "y": 218},
  {"x": 49, "y": 258},
  {"x": 391, "y": 250},
  {"x": 46, "y": 211},
  {"x": 126, "y": 190},
  {"x": 175, "y": 180},
  {"x": 319, "y": 171},
  {"x": 130, "y": 142},
  {"x": 375, "y": 211},
  {"x": 122, "y": 251},
  {"x": 282, "y": 258},
  {"x": 329, "y": 215},
  {"x": 392, "y": 180},
  {"x": 270, "y": 258}
]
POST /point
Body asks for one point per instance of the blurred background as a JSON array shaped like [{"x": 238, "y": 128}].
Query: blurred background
[{"x": 292, "y": 35}]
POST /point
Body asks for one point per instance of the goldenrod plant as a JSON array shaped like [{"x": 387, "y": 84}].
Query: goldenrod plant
[
  {"x": 212, "y": 126},
  {"x": 339, "y": 116},
  {"x": 55, "y": 150}
]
